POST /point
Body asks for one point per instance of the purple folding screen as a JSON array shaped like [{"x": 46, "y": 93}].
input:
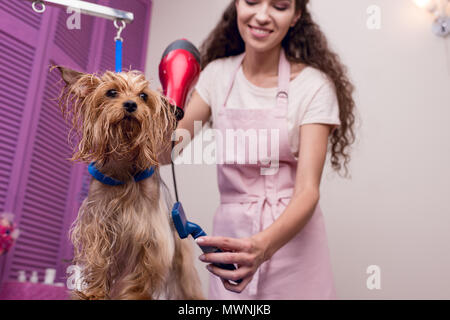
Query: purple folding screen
[{"x": 37, "y": 182}]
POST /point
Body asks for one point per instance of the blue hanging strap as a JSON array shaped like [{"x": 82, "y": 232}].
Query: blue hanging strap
[
  {"x": 118, "y": 55},
  {"x": 119, "y": 42}
]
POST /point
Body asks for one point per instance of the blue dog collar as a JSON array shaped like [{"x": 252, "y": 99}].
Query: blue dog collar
[{"x": 113, "y": 182}]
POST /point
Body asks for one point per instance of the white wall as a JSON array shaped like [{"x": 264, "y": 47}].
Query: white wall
[{"x": 394, "y": 212}]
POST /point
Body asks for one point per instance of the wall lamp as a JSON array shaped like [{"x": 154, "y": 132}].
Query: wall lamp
[{"x": 441, "y": 24}]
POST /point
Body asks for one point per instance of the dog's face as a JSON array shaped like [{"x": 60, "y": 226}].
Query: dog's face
[{"x": 117, "y": 116}]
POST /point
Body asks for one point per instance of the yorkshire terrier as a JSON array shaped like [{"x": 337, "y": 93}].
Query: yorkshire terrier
[{"x": 124, "y": 238}]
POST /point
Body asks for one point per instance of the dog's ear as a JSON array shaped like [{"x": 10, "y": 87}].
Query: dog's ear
[
  {"x": 72, "y": 77},
  {"x": 68, "y": 75}
]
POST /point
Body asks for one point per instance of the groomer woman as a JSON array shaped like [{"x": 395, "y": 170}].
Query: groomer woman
[{"x": 267, "y": 65}]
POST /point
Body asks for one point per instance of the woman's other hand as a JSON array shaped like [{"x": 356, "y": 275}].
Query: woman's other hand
[{"x": 247, "y": 253}]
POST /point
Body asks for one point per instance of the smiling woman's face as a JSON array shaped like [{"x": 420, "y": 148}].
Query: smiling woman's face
[{"x": 264, "y": 23}]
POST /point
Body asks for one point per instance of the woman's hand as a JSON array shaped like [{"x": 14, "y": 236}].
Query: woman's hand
[{"x": 247, "y": 253}]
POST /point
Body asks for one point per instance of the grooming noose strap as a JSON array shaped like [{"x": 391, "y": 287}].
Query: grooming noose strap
[{"x": 119, "y": 41}]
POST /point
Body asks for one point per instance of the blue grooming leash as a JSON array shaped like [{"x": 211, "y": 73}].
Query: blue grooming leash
[
  {"x": 119, "y": 55},
  {"x": 119, "y": 42}
]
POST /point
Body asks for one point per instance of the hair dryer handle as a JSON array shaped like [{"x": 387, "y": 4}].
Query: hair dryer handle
[{"x": 231, "y": 267}]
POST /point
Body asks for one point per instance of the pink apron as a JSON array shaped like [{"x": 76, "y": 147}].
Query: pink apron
[{"x": 251, "y": 200}]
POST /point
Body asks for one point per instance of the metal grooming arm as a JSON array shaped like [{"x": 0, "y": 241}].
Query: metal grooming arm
[{"x": 88, "y": 8}]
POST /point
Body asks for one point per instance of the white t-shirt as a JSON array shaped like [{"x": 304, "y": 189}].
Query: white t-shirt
[{"x": 312, "y": 96}]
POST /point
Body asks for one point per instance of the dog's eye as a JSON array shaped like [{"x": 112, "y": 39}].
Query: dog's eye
[
  {"x": 111, "y": 93},
  {"x": 143, "y": 96}
]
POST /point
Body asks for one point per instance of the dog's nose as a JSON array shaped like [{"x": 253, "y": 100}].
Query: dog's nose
[{"x": 130, "y": 106}]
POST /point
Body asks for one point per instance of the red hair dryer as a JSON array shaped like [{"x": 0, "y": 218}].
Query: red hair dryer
[{"x": 178, "y": 71}]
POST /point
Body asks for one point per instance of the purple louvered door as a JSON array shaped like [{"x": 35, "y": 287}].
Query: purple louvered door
[{"x": 37, "y": 183}]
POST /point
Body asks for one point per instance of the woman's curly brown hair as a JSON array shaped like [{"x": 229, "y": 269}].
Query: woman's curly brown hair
[{"x": 304, "y": 43}]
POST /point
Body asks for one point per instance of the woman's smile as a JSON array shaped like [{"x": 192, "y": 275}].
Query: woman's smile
[{"x": 259, "y": 33}]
